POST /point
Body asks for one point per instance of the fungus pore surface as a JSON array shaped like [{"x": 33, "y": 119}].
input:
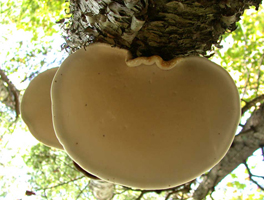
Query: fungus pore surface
[{"x": 142, "y": 126}]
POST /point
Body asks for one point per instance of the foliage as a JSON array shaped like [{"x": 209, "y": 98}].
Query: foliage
[
  {"x": 53, "y": 173},
  {"x": 244, "y": 59},
  {"x": 36, "y": 16},
  {"x": 22, "y": 58}
]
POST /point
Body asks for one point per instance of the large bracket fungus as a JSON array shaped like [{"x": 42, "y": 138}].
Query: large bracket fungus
[{"x": 142, "y": 125}]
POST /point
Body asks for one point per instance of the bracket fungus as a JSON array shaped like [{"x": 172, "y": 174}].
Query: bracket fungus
[
  {"x": 36, "y": 109},
  {"x": 143, "y": 123}
]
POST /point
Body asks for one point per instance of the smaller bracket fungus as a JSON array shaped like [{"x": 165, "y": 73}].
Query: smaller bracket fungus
[
  {"x": 143, "y": 123},
  {"x": 36, "y": 109}
]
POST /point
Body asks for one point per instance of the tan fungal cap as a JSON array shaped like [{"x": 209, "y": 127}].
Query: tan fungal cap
[
  {"x": 36, "y": 109},
  {"x": 141, "y": 126}
]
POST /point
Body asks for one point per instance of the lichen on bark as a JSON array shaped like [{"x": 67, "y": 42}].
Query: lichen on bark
[{"x": 153, "y": 27}]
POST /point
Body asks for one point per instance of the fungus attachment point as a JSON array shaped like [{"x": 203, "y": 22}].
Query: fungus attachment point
[
  {"x": 153, "y": 60},
  {"x": 36, "y": 109},
  {"x": 161, "y": 127}
]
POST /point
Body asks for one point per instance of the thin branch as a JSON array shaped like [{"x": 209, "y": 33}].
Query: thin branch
[
  {"x": 78, "y": 187},
  {"x": 246, "y": 82},
  {"x": 252, "y": 103},
  {"x": 141, "y": 195},
  {"x": 174, "y": 192},
  {"x": 211, "y": 195},
  {"x": 124, "y": 189},
  {"x": 244, "y": 60},
  {"x": 14, "y": 91},
  {"x": 14, "y": 124},
  {"x": 259, "y": 71},
  {"x": 81, "y": 192},
  {"x": 184, "y": 189},
  {"x": 65, "y": 163},
  {"x": 180, "y": 188},
  {"x": 60, "y": 184},
  {"x": 243, "y": 99},
  {"x": 44, "y": 195},
  {"x": 169, "y": 194},
  {"x": 252, "y": 175},
  {"x": 262, "y": 150},
  {"x": 242, "y": 125}
]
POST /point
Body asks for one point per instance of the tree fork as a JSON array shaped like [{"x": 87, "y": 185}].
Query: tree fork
[{"x": 153, "y": 27}]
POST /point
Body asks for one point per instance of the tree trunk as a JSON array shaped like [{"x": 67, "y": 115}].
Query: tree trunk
[{"x": 153, "y": 27}]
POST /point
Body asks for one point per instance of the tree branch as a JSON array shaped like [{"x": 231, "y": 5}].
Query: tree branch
[
  {"x": 141, "y": 195},
  {"x": 81, "y": 192},
  {"x": 14, "y": 92},
  {"x": 245, "y": 143},
  {"x": 262, "y": 150},
  {"x": 60, "y": 184},
  {"x": 252, "y": 103},
  {"x": 251, "y": 176},
  {"x": 180, "y": 190},
  {"x": 259, "y": 72}
]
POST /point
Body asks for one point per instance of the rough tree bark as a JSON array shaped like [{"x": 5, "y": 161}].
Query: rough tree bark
[
  {"x": 153, "y": 27},
  {"x": 169, "y": 29}
]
